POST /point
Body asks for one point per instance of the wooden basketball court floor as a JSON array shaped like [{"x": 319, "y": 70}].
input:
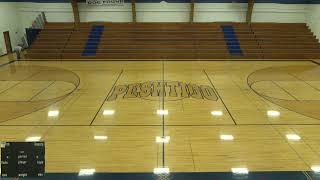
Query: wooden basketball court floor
[{"x": 103, "y": 115}]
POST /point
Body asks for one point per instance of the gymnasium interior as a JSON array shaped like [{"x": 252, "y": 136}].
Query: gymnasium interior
[{"x": 160, "y": 89}]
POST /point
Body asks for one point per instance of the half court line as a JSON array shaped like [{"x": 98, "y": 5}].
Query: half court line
[
  {"x": 107, "y": 96},
  {"x": 220, "y": 97},
  {"x": 163, "y": 93}
]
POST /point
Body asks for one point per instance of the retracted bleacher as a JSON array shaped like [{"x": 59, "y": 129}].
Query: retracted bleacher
[{"x": 174, "y": 41}]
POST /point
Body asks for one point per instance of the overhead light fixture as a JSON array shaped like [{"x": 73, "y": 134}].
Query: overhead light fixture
[
  {"x": 162, "y": 112},
  {"x": 315, "y": 169},
  {"x": 161, "y": 171},
  {"x": 273, "y": 113},
  {"x": 33, "y": 139},
  {"x": 108, "y": 112},
  {"x": 216, "y": 113},
  {"x": 293, "y": 137},
  {"x": 86, "y": 172},
  {"x": 53, "y": 113},
  {"x": 239, "y": 170},
  {"x": 162, "y": 139},
  {"x": 100, "y": 137},
  {"x": 226, "y": 137}
]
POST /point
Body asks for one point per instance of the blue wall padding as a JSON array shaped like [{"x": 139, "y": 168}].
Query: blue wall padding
[
  {"x": 93, "y": 41},
  {"x": 32, "y": 34},
  {"x": 231, "y": 40}
]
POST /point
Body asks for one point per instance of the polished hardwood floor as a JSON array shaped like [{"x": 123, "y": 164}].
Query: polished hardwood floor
[{"x": 103, "y": 115}]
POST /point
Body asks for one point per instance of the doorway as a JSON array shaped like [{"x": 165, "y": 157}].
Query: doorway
[{"x": 7, "y": 41}]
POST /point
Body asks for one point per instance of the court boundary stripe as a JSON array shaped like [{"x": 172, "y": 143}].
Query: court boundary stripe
[
  {"x": 315, "y": 62},
  {"x": 7, "y": 63},
  {"x": 154, "y": 125},
  {"x": 4, "y": 55},
  {"x": 307, "y": 175},
  {"x": 172, "y": 60},
  {"x": 306, "y": 141},
  {"x": 187, "y": 175},
  {"x": 106, "y": 97},
  {"x": 303, "y": 160},
  {"x": 194, "y": 164},
  {"x": 235, "y": 123}
]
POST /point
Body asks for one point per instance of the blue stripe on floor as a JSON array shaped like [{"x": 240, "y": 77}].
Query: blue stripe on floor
[
  {"x": 231, "y": 40},
  {"x": 93, "y": 41},
  {"x": 278, "y": 175}
]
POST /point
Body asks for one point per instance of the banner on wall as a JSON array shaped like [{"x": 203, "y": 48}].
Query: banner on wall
[{"x": 105, "y": 2}]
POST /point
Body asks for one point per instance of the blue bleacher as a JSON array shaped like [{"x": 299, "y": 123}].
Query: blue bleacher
[
  {"x": 93, "y": 41},
  {"x": 231, "y": 40}
]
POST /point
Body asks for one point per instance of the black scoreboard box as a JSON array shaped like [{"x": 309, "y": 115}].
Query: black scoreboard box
[{"x": 22, "y": 159}]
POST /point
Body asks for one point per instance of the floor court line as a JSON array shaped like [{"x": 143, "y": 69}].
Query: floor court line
[
  {"x": 41, "y": 91},
  {"x": 194, "y": 146},
  {"x": 106, "y": 97},
  {"x": 235, "y": 123}
]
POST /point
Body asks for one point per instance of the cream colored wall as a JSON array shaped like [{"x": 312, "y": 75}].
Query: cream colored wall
[
  {"x": 166, "y": 12},
  {"x": 8, "y": 22},
  {"x": 313, "y": 19},
  {"x": 283, "y": 13}
]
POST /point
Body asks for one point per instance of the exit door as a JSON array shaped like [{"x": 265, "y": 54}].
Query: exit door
[{"x": 7, "y": 41}]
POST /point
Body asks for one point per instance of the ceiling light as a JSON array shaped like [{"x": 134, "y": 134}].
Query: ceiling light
[
  {"x": 240, "y": 170},
  {"x": 293, "y": 137},
  {"x": 108, "y": 112},
  {"x": 100, "y": 137},
  {"x": 86, "y": 172},
  {"x": 216, "y": 113},
  {"x": 162, "y": 139},
  {"x": 273, "y": 113},
  {"x": 33, "y": 139},
  {"x": 162, "y": 112},
  {"x": 53, "y": 113},
  {"x": 161, "y": 171},
  {"x": 315, "y": 169},
  {"x": 226, "y": 137}
]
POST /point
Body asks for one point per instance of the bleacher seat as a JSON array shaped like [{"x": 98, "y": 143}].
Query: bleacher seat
[{"x": 178, "y": 41}]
